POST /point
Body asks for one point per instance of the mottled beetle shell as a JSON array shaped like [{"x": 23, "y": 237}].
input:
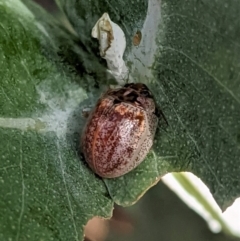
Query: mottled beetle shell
[{"x": 120, "y": 131}]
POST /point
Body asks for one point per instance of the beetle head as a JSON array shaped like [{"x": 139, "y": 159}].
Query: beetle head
[{"x": 136, "y": 94}]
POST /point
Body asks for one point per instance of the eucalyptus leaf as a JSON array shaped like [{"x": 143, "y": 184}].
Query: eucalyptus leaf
[
  {"x": 189, "y": 57},
  {"x": 47, "y": 192}
]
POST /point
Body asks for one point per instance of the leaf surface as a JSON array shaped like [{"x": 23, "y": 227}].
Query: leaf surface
[
  {"x": 189, "y": 57},
  {"x": 47, "y": 192}
]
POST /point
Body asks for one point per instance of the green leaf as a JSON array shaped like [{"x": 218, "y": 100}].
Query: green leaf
[
  {"x": 189, "y": 57},
  {"x": 47, "y": 192}
]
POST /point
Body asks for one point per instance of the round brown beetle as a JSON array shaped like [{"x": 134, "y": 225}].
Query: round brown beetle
[{"x": 120, "y": 130}]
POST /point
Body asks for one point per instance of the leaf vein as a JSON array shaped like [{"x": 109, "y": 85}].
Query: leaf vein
[
  {"x": 66, "y": 189},
  {"x": 207, "y": 72}
]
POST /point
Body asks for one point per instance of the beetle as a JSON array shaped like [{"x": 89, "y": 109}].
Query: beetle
[{"x": 120, "y": 130}]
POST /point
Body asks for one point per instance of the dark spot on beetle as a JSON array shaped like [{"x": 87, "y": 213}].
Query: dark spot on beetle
[
  {"x": 116, "y": 101},
  {"x": 115, "y": 165},
  {"x": 129, "y": 150},
  {"x": 138, "y": 86},
  {"x": 132, "y": 96},
  {"x": 120, "y": 93},
  {"x": 146, "y": 93}
]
